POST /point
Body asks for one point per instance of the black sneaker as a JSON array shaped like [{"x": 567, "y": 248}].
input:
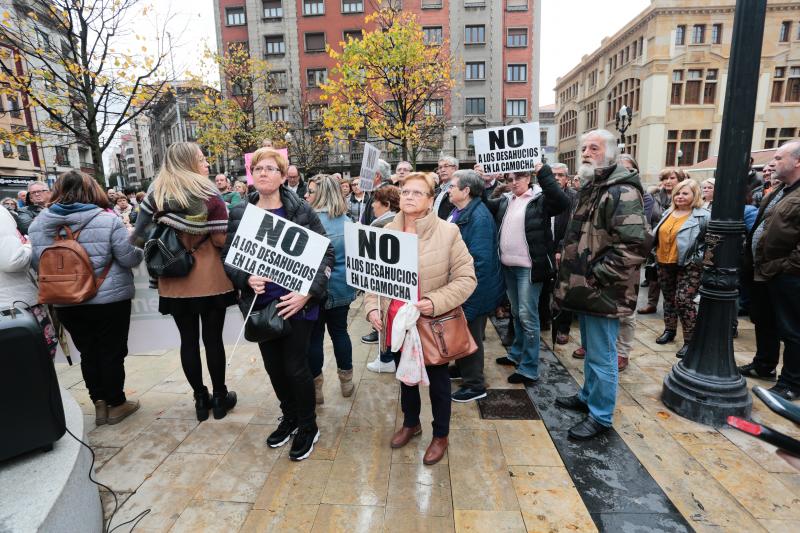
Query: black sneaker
[
  {"x": 454, "y": 372},
  {"x": 572, "y": 402},
  {"x": 505, "y": 361},
  {"x": 468, "y": 394},
  {"x": 785, "y": 392},
  {"x": 303, "y": 443},
  {"x": 279, "y": 437},
  {"x": 517, "y": 378},
  {"x": 370, "y": 338},
  {"x": 750, "y": 370}
]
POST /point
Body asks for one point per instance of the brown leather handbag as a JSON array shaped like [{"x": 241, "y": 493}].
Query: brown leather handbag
[{"x": 445, "y": 337}]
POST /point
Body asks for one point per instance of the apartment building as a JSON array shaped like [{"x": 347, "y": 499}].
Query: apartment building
[
  {"x": 169, "y": 120},
  {"x": 494, "y": 45},
  {"x": 669, "y": 65}
]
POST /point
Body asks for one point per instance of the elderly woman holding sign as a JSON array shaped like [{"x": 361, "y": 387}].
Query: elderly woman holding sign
[
  {"x": 286, "y": 357},
  {"x": 447, "y": 279}
]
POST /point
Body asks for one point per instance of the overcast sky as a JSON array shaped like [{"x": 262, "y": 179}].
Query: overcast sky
[{"x": 570, "y": 29}]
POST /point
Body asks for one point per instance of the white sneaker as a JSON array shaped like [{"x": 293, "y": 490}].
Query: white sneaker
[{"x": 379, "y": 366}]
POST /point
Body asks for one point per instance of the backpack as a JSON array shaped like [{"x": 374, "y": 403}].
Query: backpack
[
  {"x": 66, "y": 274},
  {"x": 165, "y": 255}
]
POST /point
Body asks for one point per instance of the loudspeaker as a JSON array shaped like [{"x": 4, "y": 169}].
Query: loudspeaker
[{"x": 31, "y": 413}]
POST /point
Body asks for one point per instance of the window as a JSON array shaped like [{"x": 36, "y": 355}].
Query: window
[
  {"x": 434, "y": 107},
  {"x": 234, "y": 16},
  {"x": 792, "y": 84},
  {"x": 315, "y": 112},
  {"x": 680, "y": 35},
  {"x": 316, "y": 76},
  {"x": 315, "y": 42},
  {"x": 698, "y": 34},
  {"x": 516, "y": 5},
  {"x": 568, "y": 158},
  {"x": 273, "y": 9},
  {"x": 432, "y": 34},
  {"x": 62, "y": 156},
  {"x": 568, "y": 125},
  {"x": 625, "y": 93},
  {"x": 238, "y": 90},
  {"x": 22, "y": 152},
  {"x": 277, "y": 81},
  {"x": 352, "y": 6},
  {"x": 277, "y": 113},
  {"x": 275, "y": 45},
  {"x": 8, "y": 150},
  {"x": 542, "y": 137},
  {"x": 516, "y": 108},
  {"x": 352, "y": 34},
  {"x": 313, "y": 7},
  {"x": 476, "y": 70},
  {"x": 517, "y": 73},
  {"x": 13, "y": 104},
  {"x": 687, "y": 147},
  {"x": 591, "y": 115},
  {"x": 696, "y": 87},
  {"x": 475, "y": 34},
  {"x": 431, "y": 4},
  {"x": 517, "y": 38},
  {"x": 716, "y": 34},
  {"x": 786, "y": 31},
  {"x": 778, "y": 136},
  {"x": 631, "y": 142},
  {"x": 475, "y": 106}
]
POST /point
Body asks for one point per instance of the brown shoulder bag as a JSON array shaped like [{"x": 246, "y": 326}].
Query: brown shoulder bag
[{"x": 445, "y": 337}]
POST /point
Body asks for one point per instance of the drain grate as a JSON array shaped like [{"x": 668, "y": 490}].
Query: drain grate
[{"x": 507, "y": 404}]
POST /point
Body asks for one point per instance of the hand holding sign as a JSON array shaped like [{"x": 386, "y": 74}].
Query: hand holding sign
[
  {"x": 369, "y": 164},
  {"x": 508, "y": 149}
]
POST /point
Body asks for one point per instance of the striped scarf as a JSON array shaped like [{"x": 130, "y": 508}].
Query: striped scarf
[{"x": 199, "y": 218}]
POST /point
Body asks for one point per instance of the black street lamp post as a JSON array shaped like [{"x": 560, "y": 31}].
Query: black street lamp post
[
  {"x": 705, "y": 385},
  {"x": 622, "y": 123},
  {"x": 454, "y": 134}
]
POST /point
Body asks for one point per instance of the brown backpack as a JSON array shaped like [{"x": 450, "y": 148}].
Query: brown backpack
[{"x": 66, "y": 274}]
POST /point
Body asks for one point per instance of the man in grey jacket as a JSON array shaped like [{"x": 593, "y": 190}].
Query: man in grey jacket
[{"x": 38, "y": 195}]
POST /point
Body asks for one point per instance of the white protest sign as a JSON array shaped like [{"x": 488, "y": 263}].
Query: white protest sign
[
  {"x": 273, "y": 247},
  {"x": 509, "y": 148},
  {"x": 381, "y": 261},
  {"x": 369, "y": 164}
]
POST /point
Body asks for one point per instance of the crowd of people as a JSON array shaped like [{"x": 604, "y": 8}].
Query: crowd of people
[{"x": 544, "y": 247}]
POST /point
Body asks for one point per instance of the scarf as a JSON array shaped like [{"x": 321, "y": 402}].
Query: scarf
[{"x": 200, "y": 217}]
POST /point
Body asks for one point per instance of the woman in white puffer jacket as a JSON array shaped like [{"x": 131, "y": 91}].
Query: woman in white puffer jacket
[{"x": 16, "y": 284}]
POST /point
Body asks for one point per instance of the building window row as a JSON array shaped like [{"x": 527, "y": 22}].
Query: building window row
[
  {"x": 626, "y": 55},
  {"x": 777, "y": 136},
  {"x": 786, "y": 88},
  {"x": 568, "y": 125},
  {"x": 569, "y": 93},
  {"x": 625, "y": 93},
  {"x": 694, "y": 86},
  {"x": 698, "y": 34},
  {"x": 687, "y": 147}
]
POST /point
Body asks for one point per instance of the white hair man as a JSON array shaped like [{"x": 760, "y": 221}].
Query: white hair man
[
  {"x": 447, "y": 167},
  {"x": 599, "y": 274},
  {"x": 294, "y": 181}
]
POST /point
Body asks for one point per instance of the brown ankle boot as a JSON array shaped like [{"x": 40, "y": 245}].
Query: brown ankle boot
[
  {"x": 435, "y": 451},
  {"x": 100, "y": 412},
  {"x": 403, "y": 435},
  {"x": 119, "y": 413},
  {"x": 346, "y": 382},
  {"x": 318, "y": 382}
]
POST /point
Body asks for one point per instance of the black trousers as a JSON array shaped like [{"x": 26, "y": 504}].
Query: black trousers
[
  {"x": 286, "y": 362},
  {"x": 471, "y": 366},
  {"x": 775, "y": 311},
  {"x": 100, "y": 332},
  {"x": 213, "y": 321},
  {"x": 440, "y": 399}
]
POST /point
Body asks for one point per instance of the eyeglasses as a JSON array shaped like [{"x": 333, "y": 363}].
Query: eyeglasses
[
  {"x": 265, "y": 168},
  {"x": 405, "y": 193}
]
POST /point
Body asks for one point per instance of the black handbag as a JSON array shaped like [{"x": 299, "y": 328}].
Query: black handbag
[
  {"x": 266, "y": 325},
  {"x": 165, "y": 255}
]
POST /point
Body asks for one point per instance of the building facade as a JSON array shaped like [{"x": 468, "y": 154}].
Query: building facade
[
  {"x": 548, "y": 134},
  {"x": 169, "y": 121},
  {"x": 669, "y": 65},
  {"x": 494, "y": 45}
]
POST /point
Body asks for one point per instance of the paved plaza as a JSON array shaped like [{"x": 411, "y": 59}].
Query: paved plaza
[{"x": 510, "y": 475}]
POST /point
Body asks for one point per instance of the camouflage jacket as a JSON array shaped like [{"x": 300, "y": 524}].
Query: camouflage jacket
[{"x": 604, "y": 247}]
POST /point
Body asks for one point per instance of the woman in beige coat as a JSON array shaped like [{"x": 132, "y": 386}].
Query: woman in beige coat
[{"x": 447, "y": 279}]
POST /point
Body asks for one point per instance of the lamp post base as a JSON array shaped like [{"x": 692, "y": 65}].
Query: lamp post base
[{"x": 705, "y": 399}]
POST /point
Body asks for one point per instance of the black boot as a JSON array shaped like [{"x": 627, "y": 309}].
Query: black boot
[
  {"x": 667, "y": 336},
  {"x": 202, "y": 404},
  {"x": 508, "y": 338},
  {"x": 222, "y": 404}
]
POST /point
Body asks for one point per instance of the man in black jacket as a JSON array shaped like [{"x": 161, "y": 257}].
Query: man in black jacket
[
  {"x": 38, "y": 195},
  {"x": 563, "y": 319}
]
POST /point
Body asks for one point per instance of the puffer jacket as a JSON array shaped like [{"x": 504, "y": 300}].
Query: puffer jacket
[
  {"x": 605, "y": 245},
  {"x": 446, "y": 270},
  {"x": 480, "y": 235},
  {"x": 15, "y": 258},
  {"x": 297, "y": 211},
  {"x": 26, "y": 216},
  {"x": 691, "y": 239},
  {"x": 105, "y": 239},
  {"x": 339, "y": 292}
]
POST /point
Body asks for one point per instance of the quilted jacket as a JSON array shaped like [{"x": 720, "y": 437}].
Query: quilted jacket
[{"x": 15, "y": 258}]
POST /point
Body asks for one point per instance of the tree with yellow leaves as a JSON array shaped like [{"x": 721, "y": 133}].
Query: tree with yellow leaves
[
  {"x": 88, "y": 89},
  {"x": 391, "y": 83}
]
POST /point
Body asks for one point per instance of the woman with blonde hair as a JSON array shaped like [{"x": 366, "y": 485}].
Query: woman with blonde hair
[
  {"x": 447, "y": 279},
  {"x": 325, "y": 196},
  {"x": 285, "y": 358},
  {"x": 184, "y": 199},
  {"x": 680, "y": 245}
]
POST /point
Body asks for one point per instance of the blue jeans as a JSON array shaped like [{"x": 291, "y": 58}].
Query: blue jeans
[
  {"x": 336, "y": 320},
  {"x": 524, "y": 298},
  {"x": 601, "y": 374}
]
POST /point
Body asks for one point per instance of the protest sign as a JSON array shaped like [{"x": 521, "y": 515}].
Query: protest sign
[
  {"x": 369, "y": 164},
  {"x": 249, "y": 157},
  {"x": 381, "y": 261},
  {"x": 508, "y": 149},
  {"x": 273, "y": 247}
]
